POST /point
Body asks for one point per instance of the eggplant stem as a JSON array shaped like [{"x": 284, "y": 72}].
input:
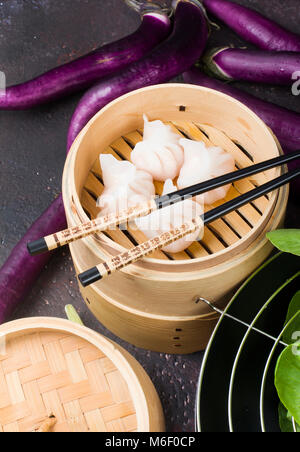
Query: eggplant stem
[
  {"x": 146, "y": 6},
  {"x": 209, "y": 66},
  {"x": 209, "y": 21}
]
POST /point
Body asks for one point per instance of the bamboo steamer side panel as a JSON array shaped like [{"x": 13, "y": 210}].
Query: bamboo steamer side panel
[
  {"x": 177, "y": 335},
  {"x": 169, "y": 297}
]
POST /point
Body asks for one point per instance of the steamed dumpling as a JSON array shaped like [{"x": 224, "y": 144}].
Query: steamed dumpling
[
  {"x": 171, "y": 217},
  {"x": 202, "y": 164},
  {"x": 160, "y": 152},
  {"x": 124, "y": 185}
]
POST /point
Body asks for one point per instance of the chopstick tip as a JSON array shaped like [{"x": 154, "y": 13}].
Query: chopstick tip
[
  {"x": 37, "y": 247},
  {"x": 89, "y": 276}
]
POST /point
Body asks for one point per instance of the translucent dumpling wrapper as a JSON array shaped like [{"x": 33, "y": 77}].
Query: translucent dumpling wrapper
[
  {"x": 124, "y": 185},
  {"x": 201, "y": 164},
  {"x": 159, "y": 152},
  {"x": 171, "y": 217}
]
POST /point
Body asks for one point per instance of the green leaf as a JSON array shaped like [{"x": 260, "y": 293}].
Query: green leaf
[
  {"x": 286, "y": 240},
  {"x": 294, "y": 307},
  {"x": 72, "y": 314},
  {"x": 285, "y": 421},
  {"x": 292, "y": 331},
  {"x": 287, "y": 379}
]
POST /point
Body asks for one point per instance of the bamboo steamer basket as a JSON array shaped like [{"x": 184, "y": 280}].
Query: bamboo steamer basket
[
  {"x": 154, "y": 303},
  {"x": 51, "y": 366}
]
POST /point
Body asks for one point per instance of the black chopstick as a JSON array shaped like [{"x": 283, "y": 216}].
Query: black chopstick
[
  {"x": 99, "y": 224},
  {"x": 130, "y": 256},
  {"x": 228, "y": 178}
]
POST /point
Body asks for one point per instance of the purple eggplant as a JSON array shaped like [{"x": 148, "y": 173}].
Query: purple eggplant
[
  {"x": 284, "y": 123},
  {"x": 85, "y": 71},
  {"x": 172, "y": 57},
  {"x": 259, "y": 66},
  {"x": 254, "y": 27},
  {"x": 20, "y": 271}
]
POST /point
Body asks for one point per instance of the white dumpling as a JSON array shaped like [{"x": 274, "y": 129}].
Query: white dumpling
[
  {"x": 202, "y": 164},
  {"x": 159, "y": 152},
  {"x": 124, "y": 185},
  {"x": 171, "y": 217}
]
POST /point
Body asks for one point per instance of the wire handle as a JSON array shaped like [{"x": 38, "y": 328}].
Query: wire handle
[{"x": 225, "y": 314}]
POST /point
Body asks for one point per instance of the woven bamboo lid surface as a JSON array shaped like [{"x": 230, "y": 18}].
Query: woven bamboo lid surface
[{"x": 54, "y": 367}]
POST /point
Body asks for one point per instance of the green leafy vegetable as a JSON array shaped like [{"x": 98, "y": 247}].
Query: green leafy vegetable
[
  {"x": 294, "y": 307},
  {"x": 285, "y": 420},
  {"x": 72, "y": 314},
  {"x": 286, "y": 240},
  {"x": 292, "y": 331},
  {"x": 287, "y": 372},
  {"x": 287, "y": 379}
]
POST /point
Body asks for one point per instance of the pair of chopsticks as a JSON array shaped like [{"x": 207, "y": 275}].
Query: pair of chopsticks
[{"x": 130, "y": 256}]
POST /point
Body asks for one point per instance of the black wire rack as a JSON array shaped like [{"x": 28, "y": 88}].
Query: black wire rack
[{"x": 236, "y": 391}]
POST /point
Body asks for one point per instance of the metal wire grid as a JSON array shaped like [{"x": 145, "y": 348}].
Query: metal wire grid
[
  {"x": 251, "y": 327},
  {"x": 263, "y": 383}
]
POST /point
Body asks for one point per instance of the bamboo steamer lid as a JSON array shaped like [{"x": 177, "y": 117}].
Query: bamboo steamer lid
[{"x": 51, "y": 366}]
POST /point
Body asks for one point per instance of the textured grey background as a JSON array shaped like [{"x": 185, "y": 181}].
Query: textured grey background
[{"x": 37, "y": 35}]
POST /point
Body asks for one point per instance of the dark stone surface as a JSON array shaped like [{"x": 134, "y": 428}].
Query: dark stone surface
[{"x": 36, "y": 35}]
